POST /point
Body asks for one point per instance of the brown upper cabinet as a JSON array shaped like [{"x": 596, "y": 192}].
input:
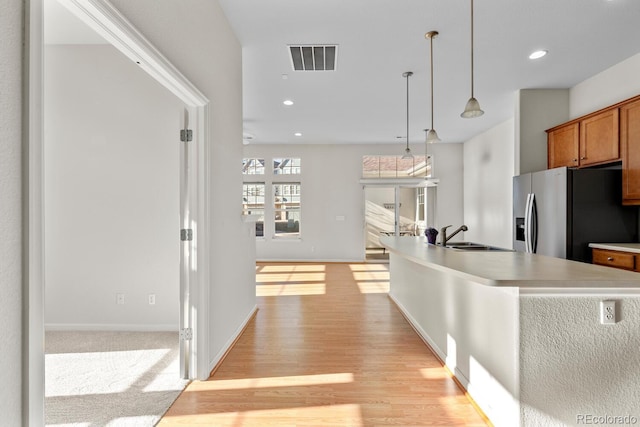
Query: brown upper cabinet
[
  {"x": 591, "y": 140},
  {"x": 630, "y": 145},
  {"x": 563, "y": 146},
  {"x": 605, "y": 136}
]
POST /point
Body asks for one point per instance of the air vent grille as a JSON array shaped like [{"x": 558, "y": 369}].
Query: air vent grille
[{"x": 313, "y": 57}]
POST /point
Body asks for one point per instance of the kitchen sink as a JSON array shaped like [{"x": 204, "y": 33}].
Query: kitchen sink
[{"x": 472, "y": 246}]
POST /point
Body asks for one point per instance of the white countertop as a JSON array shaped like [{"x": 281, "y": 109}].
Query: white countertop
[
  {"x": 623, "y": 247},
  {"x": 497, "y": 268}
]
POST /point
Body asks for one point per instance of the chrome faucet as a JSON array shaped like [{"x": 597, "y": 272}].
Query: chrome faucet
[{"x": 444, "y": 238}]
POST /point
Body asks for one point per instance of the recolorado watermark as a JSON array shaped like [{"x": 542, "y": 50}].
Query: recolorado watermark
[{"x": 590, "y": 419}]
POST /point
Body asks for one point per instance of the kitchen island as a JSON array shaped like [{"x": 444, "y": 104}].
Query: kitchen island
[{"x": 522, "y": 332}]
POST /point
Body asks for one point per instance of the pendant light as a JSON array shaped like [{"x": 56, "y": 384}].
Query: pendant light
[
  {"x": 407, "y": 151},
  {"x": 432, "y": 135},
  {"x": 472, "y": 109}
]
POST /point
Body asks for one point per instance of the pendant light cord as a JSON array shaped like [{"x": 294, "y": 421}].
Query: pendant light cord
[
  {"x": 472, "y": 49},
  {"x": 431, "y": 50},
  {"x": 408, "y": 75}
]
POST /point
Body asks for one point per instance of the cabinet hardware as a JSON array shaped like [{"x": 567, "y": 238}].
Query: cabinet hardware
[{"x": 610, "y": 258}]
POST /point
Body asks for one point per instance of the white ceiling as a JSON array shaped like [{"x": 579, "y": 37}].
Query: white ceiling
[{"x": 364, "y": 101}]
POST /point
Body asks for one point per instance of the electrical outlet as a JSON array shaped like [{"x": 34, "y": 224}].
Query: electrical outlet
[
  {"x": 120, "y": 299},
  {"x": 152, "y": 299},
  {"x": 607, "y": 312}
]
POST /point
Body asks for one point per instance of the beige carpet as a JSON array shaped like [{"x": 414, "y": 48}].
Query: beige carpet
[{"x": 110, "y": 378}]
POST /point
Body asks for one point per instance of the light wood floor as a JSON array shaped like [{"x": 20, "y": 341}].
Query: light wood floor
[{"x": 326, "y": 348}]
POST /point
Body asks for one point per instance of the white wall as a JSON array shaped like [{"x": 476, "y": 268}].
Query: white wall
[
  {"x": 570, "y": 364},
  {"x": 535, "y": 111},
  {"x": 111, "y": 192},
  {"x": 197, "y": 38},
  {"x": 11, "y": 13},
  {"x": 488, "y": 175},
  {"x": 330, "y": 186},
  {"x": 613, "y": 85},
  {"x": 449, "y": 169}
]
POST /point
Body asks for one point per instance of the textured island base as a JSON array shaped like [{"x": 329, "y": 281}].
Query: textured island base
[{"x": 526, "y": 358}]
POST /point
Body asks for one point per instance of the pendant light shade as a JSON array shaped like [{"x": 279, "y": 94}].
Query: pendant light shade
[
  {"x": 472, "y": 109},
  {"x": 407, "y": 151},
  {"x": 432, "y": 135}
]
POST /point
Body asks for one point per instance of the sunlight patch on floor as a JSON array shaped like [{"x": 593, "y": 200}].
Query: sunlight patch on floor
[
  {"x": 370, "y": 275},
  {"x": 288, "y": 268},
  {"x": 270, "y": 382},
  {"x": 131, "y": 421},
  {"x": 292, "y": 289},
  {"x": 434, "y": 373},
  {"x": 290, "y": 277},
  {"x": 69, "y": 373},
  {"x": 369, "y": 267},
  {"x": 373, "y": 287}
]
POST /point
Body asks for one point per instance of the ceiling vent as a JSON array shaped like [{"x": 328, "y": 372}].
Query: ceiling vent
[{"x": 313, "y": 57}]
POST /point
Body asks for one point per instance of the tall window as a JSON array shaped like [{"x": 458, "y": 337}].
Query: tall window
[
  {"x": 271, "y": 190},
  {"x": 286, "y": 207},
  {"x": 253, "y": 203}
]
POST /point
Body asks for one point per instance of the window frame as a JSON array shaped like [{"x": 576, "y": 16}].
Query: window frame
[
  {"x": 271, "y": 179},
  {"x": 297, "y": 211},
  {"x": 259, "y": 233}
]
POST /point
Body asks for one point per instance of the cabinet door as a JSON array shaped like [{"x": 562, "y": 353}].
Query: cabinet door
[
  {"x": 630, "y": 144},
  {"x": 563, "y": 146},
  {"x": 599, "y": 142}
]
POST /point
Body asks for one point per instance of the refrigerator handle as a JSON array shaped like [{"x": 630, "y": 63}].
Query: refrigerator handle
[
  {"x": 534, "y": 224},
  {"x": 527, "y": 224}
]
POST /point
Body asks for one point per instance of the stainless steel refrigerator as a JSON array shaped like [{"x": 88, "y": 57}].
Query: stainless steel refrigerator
[{"x": 558, "y": 212}]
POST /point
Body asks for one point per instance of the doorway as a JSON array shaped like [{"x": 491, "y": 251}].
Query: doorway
[
  {"x": 112, "y": 208},
  {"x": 392, "y": 210},
  {"x": 111, "y": 25}
]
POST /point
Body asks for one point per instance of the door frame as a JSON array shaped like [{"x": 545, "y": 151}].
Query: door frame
[{"x": 115, "y": 28}]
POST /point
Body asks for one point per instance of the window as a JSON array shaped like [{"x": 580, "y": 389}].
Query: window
[
  {"x": 273, "y": 195},
  {"x": 421, "y": 198},
  {"x": 253, "y": 203},
  {"x": 286, "y": 166},
  {"x": 395, "y": 167},
  {"x": 286, "y": 206},
  {"x": 253, "y": 166}
]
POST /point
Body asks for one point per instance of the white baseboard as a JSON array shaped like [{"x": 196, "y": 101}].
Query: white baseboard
[
  {"x": 416, "y": 326},
  {"x": 110, "y": 327},
  {"x": 227, "y": 346},
  {"x": 425, "y": 337}
]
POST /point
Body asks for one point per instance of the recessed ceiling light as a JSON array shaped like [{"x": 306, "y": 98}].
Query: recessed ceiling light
[
  {"x": 297, "y": 134},
  {"x": 287, "y": 102},
  {"x": 538, "y": 54}
]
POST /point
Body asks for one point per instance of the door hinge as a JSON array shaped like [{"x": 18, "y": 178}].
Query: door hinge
[
  {"x": 186, "y": 234},
  {"x": 186, "y": 334},
  {"x": 186, "y": 135}
]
